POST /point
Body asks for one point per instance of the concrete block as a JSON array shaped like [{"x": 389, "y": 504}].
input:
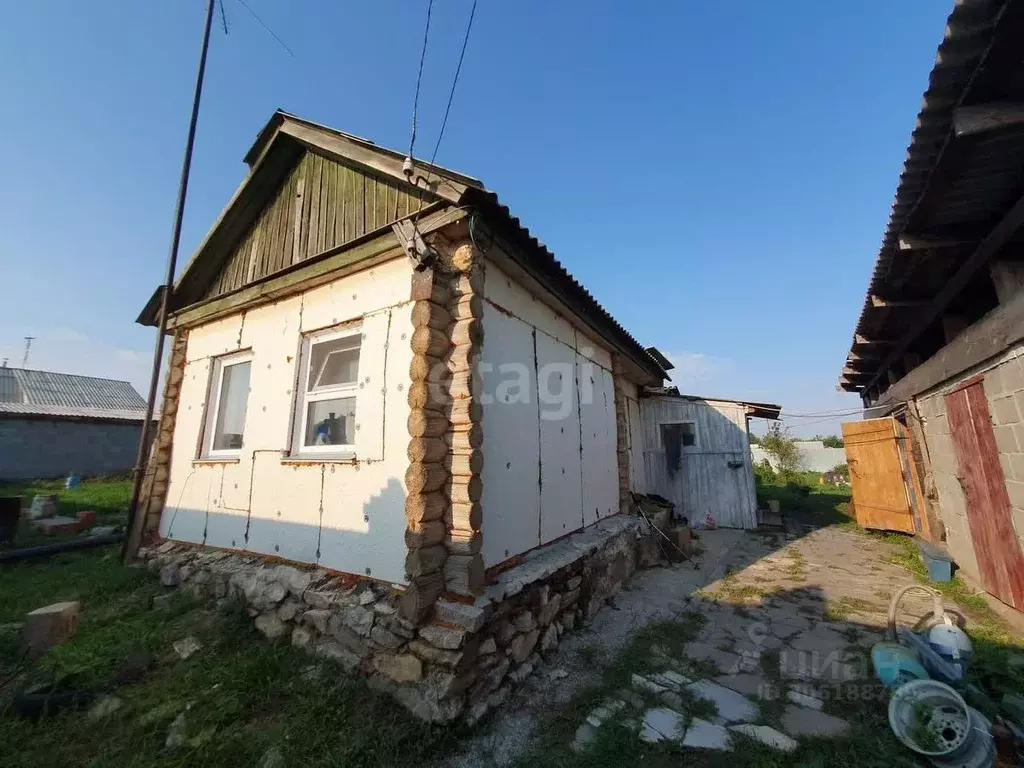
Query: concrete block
[
  {"x": 1004, "y": 410},
  {"x": 1018, "y": 521},
  {"x": 1011, "y": 376},
  {"x": 1016, "y": 491},
  {"x": 1006, "y": 438},
  {"x": 49, "y": 626},
  {"x": 1006, "y": 462},
  {"x": 940, "y": 424},
  {"x": 1019, "y": 399}
]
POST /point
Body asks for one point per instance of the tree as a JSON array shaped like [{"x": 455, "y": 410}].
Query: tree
[
  {"x": 754, "y": 439},
  {"x": 782, "y": 447},
  {"x": 830, "y": 441}
]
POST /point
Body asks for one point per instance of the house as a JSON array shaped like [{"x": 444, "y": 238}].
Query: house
[
  {"x": 54, "y": 424},
  {"x": 696, "y": 453},
  {"x": 936, "y": 353},
  {"x": 377, "y": 370}
]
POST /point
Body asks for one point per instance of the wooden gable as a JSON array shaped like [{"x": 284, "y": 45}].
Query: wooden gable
[{"x": 322, "y": 203}]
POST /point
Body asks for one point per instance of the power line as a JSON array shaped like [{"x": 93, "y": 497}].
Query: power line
[
  {"x": 455, "y": 81},
  {"x": 264, "y": 25},
  {"x": 223, "y": 17},
  {"x": 419, "y": 76}
]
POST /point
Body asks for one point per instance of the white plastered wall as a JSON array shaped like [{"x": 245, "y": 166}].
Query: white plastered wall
[
  {"x": 343, "y": 515},
  {"x": 547, "y": 390}
]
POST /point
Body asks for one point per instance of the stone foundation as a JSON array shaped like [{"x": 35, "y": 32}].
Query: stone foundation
[{"x": 465, "y": 659}]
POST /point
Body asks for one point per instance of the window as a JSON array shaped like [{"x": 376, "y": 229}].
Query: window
[
  {"x": 325, "y": 418},
  {"x": 226, "y": 406},
  {"x": 675, "y": 437},
  {"x": 688, "y": 435}
]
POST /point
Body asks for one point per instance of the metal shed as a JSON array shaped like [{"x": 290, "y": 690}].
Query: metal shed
[{"x": 697, "y": 455}]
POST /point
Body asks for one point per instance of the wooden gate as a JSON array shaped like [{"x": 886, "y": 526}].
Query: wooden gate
[
  {"x": 988, "y": 504},
  {"x": 882, "y": 475}
]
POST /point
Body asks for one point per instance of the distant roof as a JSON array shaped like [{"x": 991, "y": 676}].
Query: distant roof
[
  {"x": 758, "y": 410},
  {"x": 64, "y": 395}
]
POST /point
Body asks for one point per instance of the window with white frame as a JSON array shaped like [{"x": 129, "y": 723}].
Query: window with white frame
[
  {"x": 325, "y": 417},
  {"x": 226, "y": 405}
]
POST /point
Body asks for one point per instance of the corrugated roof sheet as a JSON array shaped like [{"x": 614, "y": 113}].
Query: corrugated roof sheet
[
  {"x": 950, "y": 195},
  {"x": 45, "y": 393}
]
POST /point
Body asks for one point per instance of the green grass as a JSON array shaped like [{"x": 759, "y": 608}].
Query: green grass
[
  {"x": 240, "y": 694},
  {"x": 106, "y": 496},
  {"x": 807, "y": 501}
]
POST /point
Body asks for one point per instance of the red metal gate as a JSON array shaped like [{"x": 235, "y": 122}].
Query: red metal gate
[{"x": 988, "y": 504}]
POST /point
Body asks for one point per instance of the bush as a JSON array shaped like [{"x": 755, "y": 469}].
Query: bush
[
  {"x": 764, "y": 474},
  {"x": 780, "y": 445}
]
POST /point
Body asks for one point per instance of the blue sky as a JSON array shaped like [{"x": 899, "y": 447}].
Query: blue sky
[{"x": 719, "y": 175}]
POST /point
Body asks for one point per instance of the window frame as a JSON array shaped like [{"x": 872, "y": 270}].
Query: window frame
[
  {"x": 683, "y": 446},
  {"x": 303, "y": 397},
  {"x": 219, "y": 365}
]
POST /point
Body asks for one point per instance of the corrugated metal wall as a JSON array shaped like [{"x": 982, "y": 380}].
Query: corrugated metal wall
[{"x": 715, "y": 475}]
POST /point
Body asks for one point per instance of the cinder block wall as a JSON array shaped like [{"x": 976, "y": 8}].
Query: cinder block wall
[
  {"x": 33, "y": 448},
  {"x": 1004, "y": 390}
]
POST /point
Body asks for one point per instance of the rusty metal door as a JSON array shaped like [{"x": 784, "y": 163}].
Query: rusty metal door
[
  {"x": 884, "y": 496},
  {"x": 988, "y": 504}
]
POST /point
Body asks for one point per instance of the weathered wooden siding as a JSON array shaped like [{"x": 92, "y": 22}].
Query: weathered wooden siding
[
  {"x": 321, "y": 204},
  {"x": 715, "y": 475}
]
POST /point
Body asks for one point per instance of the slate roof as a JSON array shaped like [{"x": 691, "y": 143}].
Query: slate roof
[{"x": 64, "y": 395}]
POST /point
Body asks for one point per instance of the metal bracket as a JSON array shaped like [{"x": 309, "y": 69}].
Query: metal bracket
[{"x": 412, "y": 242}]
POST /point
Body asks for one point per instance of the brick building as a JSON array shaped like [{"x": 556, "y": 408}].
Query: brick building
[{"x": 939, "y": 343}]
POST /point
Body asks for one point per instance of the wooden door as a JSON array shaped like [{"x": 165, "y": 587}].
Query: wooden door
[
  {"x": 879, "y": 475},
  {"x": 996, "y": 546}
]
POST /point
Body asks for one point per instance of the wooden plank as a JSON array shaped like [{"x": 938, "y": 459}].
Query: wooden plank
[
  {"x": 331, "y": 200},
  {"x": 312, "y": 221},
  {"x": 288, "y": 216},
  {"x": 300, "y": 196},
  {"x": 981, "y": 118},
  {"x": 990, "y": 336},
  {"x": 878, "y": 301},
  {"x": 375, "y": 159},
  {"x": 997, "y": 237},
  {"x": 347, "y": 258},
  {"x": 876, "y": 475}
]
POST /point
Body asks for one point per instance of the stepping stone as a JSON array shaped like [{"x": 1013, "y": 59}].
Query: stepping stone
[
  {"x": 750, "y": 685},
  {"x": 800, "y": 721},
  {"x": 726, "y": 662},
  {"x": 660, "y": 724},
  {"x": 645, "y": 684},
  {"x": 585, "y": 736},
  {"x": 732, "y": 706},
  {"x": 767, "y": 736},
  {"x": 670, "y": 679},
  {"x": 803, "y": 700},
  {"x": 607, "y": 708},
  {"x": 704, "y": 735}
]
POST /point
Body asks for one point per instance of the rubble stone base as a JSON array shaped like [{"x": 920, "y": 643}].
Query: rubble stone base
[{"x": 465, "y": 659}]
